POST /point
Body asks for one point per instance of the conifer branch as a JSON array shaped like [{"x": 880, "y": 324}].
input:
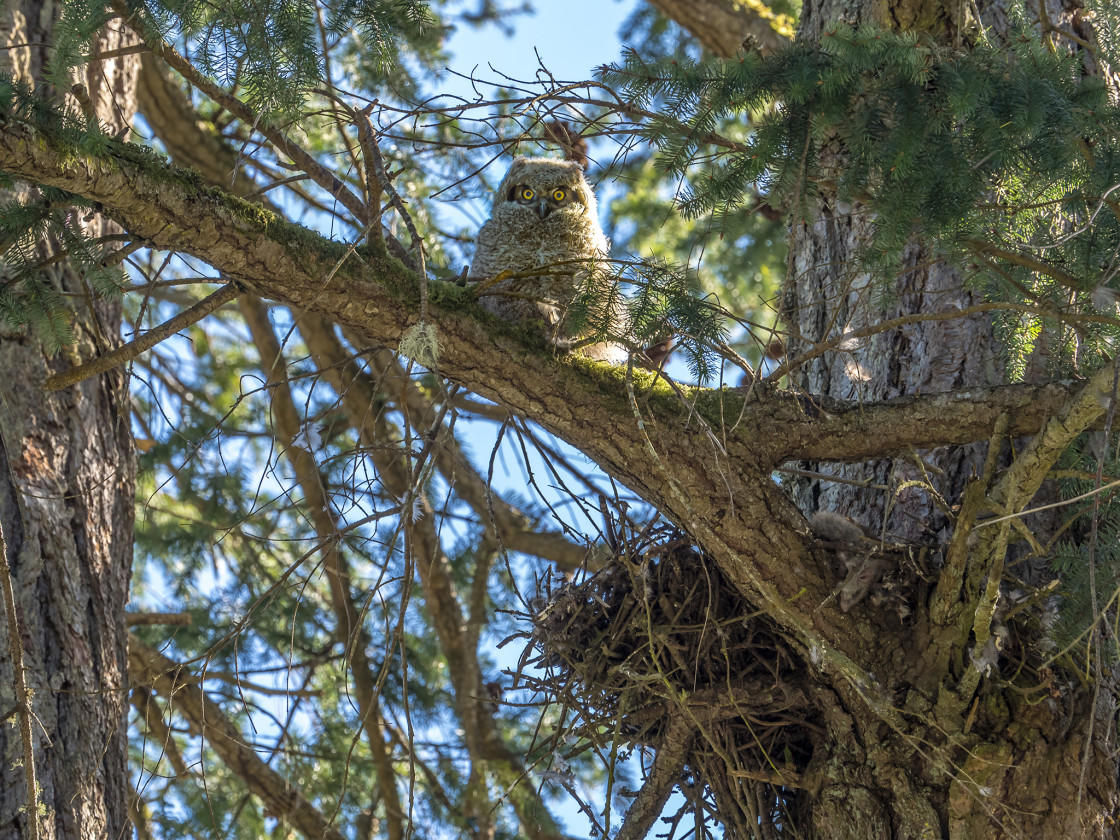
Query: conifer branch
[
  {"x": 314, "y": 170},
  {"x": 128, "y": 352},
  {"x": 982, "y": 248}
]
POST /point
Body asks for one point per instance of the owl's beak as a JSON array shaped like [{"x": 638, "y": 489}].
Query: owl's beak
[{"x": 544, "y": 208}]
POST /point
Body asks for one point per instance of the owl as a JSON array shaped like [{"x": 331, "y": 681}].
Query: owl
[{"x": 543, "y": 217}]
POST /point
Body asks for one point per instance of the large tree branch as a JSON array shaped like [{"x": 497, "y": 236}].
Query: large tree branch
[
  {"x": 820, "y": 429},
  {"x": 723, "y": 25},
  {"x": 712, "y": 478},
  {"x": 286, "y": 262}
]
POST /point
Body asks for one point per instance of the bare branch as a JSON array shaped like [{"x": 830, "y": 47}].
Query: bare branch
[
  {"x": 146, "y": 619},
  {"x": 172, "y": 681},
  {"x": 349, "y": 618},
  {"x": 23, "y": 695},
  {"x": 128, "y": 352}
]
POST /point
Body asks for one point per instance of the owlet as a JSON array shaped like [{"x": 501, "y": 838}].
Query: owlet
[{"x": 544, "y": 229}]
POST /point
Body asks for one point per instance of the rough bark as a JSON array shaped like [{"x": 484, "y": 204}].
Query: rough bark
[
  {"x": 977, "y": 759},
  {"x": 66, "y": 504},
  {"x": 910, "y": 744},
  {"x": 726, "y": 26}
]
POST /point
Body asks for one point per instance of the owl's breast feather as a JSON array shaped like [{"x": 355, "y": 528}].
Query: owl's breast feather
[{"x": 516, "y": 239}]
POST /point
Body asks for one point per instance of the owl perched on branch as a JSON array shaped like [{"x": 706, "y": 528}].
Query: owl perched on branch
[{"x": 544, "y": 234}]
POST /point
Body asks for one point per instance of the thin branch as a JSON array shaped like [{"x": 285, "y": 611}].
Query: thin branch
[
  {"x": 981, "y": 248},
  {"x": 483, "y": 739},
  {"x": 369, "y": 144},
  {"x": 144, "y": 701},
  {"x": 313, "y": 484},
  {"x": 822, "y": 347},
  {"x": 128, "y": 352},
  {"x": 1063, "y": 503},
  {"x": 358, "y": 391},
  {"x": 23, "y": 695},
  {"x": 146, "y": 619},
  {"x": 173, "y": 681}
]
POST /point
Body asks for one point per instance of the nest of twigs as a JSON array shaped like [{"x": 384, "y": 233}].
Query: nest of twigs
[{"x": 658, "y": 650}]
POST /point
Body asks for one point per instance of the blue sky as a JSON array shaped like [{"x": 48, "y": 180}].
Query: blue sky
[{"x": 571, "y": 36}]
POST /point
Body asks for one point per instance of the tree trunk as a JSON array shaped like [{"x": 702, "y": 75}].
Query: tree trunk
[
  {"x": 66, "y": 507},
  {"x": 977, "y": 761}
]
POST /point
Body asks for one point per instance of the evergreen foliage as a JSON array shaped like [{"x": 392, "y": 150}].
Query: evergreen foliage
[
  {"x": 1087, "y": 559},
  {"x": 1000, "y": 158},
  {"x": 28, "y": 296},
  {"x": 1106, "y": 25},
  {"x": 738, "y": 261}
]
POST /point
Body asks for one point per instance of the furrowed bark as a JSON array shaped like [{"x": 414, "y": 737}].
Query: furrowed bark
[{"x": 66, "y": 508}]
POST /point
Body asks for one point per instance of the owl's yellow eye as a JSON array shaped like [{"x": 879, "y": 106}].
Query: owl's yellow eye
[
  {"x": 559, "y": 195},
  {"x": 527, "y": 194}
]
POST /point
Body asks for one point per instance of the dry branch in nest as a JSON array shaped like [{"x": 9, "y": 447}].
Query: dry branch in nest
[{"x": 658, "y": 651}]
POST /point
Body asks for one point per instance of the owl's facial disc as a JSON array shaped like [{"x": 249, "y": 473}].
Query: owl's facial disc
[{"x": 554, "y": 199}]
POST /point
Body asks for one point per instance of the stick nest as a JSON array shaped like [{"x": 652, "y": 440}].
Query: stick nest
[{"x": 657, "y": 649}]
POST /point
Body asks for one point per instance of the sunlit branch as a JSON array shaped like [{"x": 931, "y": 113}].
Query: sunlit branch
[
  {"x": 169, "y": 678},
  {"x": 130, "y": 351}
]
